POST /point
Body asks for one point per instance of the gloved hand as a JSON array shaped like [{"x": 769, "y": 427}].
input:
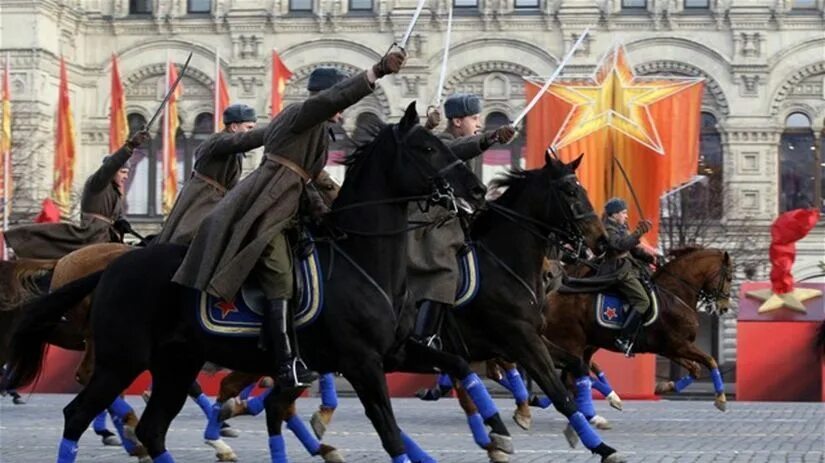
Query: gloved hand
[
  {"x": 433, "y": 118},
  {"x": 122, "y": 226},
  {"x": 391, "y": 63},
  {"x": 502, "y": 134},
  {"x": 643, "y": 227},
  {"x": 138, "y": 139}
]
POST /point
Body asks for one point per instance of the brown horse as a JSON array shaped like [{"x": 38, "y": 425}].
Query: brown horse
[{"x": 694, "y": 276}]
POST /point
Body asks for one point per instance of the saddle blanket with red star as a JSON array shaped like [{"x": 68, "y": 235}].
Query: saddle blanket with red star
[
  {"x": 611, "y": 310},
  {"x": 243, "y": 316}
]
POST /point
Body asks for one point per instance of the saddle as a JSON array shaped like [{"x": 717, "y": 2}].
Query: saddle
[{"x": 594, "y": 284}]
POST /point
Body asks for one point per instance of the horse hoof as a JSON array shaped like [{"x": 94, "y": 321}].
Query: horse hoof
[
  {"x": 330, "y": 454},
  {"x": 112, "y": 441},
  {"x": 503, "y": 443},
  {"x": 223, "y": 452},
  {"x": 146, "y": 459},
  {"x": 721, "y": 403},
  {"x": 571, "y": 436},
  {"x": 522, "y": 421},
  {"x": 147, "y": 394},
  {"x": 497, "y": 456},
  {"x": 18, "y": 401},
  {"x": 140, "y": 452},
  {"x": 600, "y": 422},
  {"x": 615, "y": 457},
  {"x": 614, "y": 400},
  {"x": 231, "y": 408},
  {"x": 664, "y": 387},
  {"x": 319, "y": 421},
  {"x": 229, "y": 432},
  {"x": 129, "y": 433}
]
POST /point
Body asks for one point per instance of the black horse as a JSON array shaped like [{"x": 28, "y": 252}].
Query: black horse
[
  {"x": 540, "y": 210},
  {"x": 140, "y": 319}
]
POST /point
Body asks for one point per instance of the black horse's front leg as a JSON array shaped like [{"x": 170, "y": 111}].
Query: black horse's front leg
[{"x": 276, "y": 404}]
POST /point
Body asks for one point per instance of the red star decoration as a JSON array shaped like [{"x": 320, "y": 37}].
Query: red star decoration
[
  {"x": 610, "y": 313},
  {"x": 227, "y": 307}
]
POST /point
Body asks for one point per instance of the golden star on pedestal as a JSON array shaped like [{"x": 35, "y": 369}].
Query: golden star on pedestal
[
  {"x": 615, "y": 99},
  {"x": 793, "y": 300}
]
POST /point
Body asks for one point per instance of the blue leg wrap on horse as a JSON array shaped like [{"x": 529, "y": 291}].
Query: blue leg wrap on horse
[
  {"x": 603, "y": 388},
  {"x": 683, "y": 382},
  {"x": 445, "y": 383},
  {"x": 164, "y": 457},
  {"x": 584, "y": 398},
  {"x": 718, "y": 385},
  {"x": 120, "y": 408},
  {"x": 603, "y": 379},
  {"x": 403, "y": 458},
  {"x": 245, "y": 392},
  {"x": 480, "y": 435},
  {"x": 127, "y": 444},
  {"x": 213, "y": 425},
  {"x": 99, "y": 424},
  {"x": 517, "y": 386},
  {"x": 505, "y": 383},
  {"x": 414, "y": 451},
  {"x": 255, "y": 405},
  {"x": 300, "y": 430},
  {"x": 481, "y": 398},
  {"x": 205, "y": 404},
  {"x": 587, "y": 435},
  {"x": 544, "y": 402},
  {"x": 329, "y": 396},
  {"x": 277, "y": 449},
  {"x": 67, "y": 452}
]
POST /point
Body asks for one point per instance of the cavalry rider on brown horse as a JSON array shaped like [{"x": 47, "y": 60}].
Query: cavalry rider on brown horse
[
  {"x": 624, "y": 248},
  {"x": 101, "y": 209},
  {"x": 245, "y": 233},
  {"x": 218, "y": 165},
  {"x": 431, "y": 251}
]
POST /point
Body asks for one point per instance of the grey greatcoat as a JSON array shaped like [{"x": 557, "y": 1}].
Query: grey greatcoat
[
  {"x": 431, "y": 251},
  {"x": 100, "y": 205},
  {"x": 217, "y": 169},
  {"x": 235, "y": 234}
]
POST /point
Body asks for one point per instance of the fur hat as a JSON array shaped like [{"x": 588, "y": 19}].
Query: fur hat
[
  {"x": 614, "y": 205},
  {"x": 324, "y": 78},
  {"x": 461, "y": 105}
]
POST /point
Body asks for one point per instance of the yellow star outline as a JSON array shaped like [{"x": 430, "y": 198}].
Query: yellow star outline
[
  {"x": 615, "y": 98},
  {"x": 794, "y": 300}
]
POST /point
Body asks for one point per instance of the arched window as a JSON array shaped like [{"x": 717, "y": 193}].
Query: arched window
[
  {"x": 710, "y": 165},
  {"x": 797, "y": 165},
  {"x": 500, "y": 157},
  {"x": 204, "y": 126}
]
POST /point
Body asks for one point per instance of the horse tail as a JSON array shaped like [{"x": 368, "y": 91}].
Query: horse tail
[
  {"x": 22, "y": 280},
  {"x": 27, "y": 346}
]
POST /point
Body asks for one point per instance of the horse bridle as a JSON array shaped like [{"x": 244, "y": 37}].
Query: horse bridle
[
  {"x": 709, "y": 298},
  {"x": 441, "y": 191}
]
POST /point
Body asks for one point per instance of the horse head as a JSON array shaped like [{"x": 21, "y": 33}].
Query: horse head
[
  {"x": 707, "y": 271},
  {"x": 564, "y": 196}
]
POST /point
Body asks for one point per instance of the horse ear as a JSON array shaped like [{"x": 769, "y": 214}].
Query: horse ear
[
  {"x": 410, "y": 117},
  {"x": 575, "y": 164},
  {"x": 547, "y": 158}
]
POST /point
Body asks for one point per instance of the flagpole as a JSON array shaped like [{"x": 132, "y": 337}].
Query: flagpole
[
  {"x": 6, "y": 161},
  {"x": 165, "y": 137},
  {"x": 216, "y": 118}
]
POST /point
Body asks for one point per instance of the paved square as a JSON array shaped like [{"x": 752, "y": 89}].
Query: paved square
[{"x": 663, "y": 431}]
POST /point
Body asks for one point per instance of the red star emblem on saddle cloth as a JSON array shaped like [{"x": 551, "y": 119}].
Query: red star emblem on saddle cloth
[
  {"x": 226, "y": 307},
  {"x": 610, "y": 313}
]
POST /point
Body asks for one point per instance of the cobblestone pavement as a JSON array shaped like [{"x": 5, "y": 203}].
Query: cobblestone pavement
[{"x": 663, "y": 431}]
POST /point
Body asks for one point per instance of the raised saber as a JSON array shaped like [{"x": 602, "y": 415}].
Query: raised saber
[
  {"x": 552, "y": 78},
  {"x": 169, "y": 93},
  {"x": 630, "y": 187},
  {"x": 444, "y": 60},
  {"x": 411, "y": 26}
]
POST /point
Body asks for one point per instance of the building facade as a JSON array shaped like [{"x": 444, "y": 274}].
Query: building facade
[{"x": 763, "y": 113}]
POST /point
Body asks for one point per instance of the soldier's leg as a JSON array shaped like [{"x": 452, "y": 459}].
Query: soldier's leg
[
  {"x": 633, "y": 290},
  {"x": 274, "y": 272}
]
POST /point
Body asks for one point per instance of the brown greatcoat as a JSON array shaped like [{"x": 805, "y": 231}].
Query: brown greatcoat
[
  {"x": 431, "y": 251},
  {"x": 100, "y": 205},
  {"x": 217, "y": 169},
  {"x": 234, "y": 235}
]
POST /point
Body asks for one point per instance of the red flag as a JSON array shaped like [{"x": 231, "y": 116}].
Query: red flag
[
  {"x": 49, "y": 213},
  {"x": 280, "y": 75},
  {"x": 221, "y": 97},
  {"x": 118, "y": 125},
  {"x": 170, "y": 125},
  {"x": 64, "y": 152}
]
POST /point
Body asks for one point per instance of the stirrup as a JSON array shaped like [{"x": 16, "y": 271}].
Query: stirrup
[
  {"x": 433, "y": 342},
  {"x": 289, "y": 376},
  {"x": 626, "y": 346}
]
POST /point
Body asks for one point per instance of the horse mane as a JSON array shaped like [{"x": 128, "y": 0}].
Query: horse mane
[
  {"x": 685, "y": 250},
  {"x": 19, "y": 280}
]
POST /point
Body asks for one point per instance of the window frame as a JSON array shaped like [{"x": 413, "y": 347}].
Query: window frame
[
  {"x": 706, "y": 6},
  {"x": 133, "y": 10},
  {"x": 361, "y": 10},
  {"x": 813, "y": 6},
  {"x": 643, "y": 7},
  {"x": 465, "y": 7},
  {"x": 189, "y": 9},
  {"x": 294, "y": 9},
  {"x": 526, "y": 7}
]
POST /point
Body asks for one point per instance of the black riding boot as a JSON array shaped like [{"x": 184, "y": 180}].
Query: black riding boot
[
  {"x": 630, "y": 329},
  {"x": 428, "y": 321},
  {"x": 292, "y": 372}
]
